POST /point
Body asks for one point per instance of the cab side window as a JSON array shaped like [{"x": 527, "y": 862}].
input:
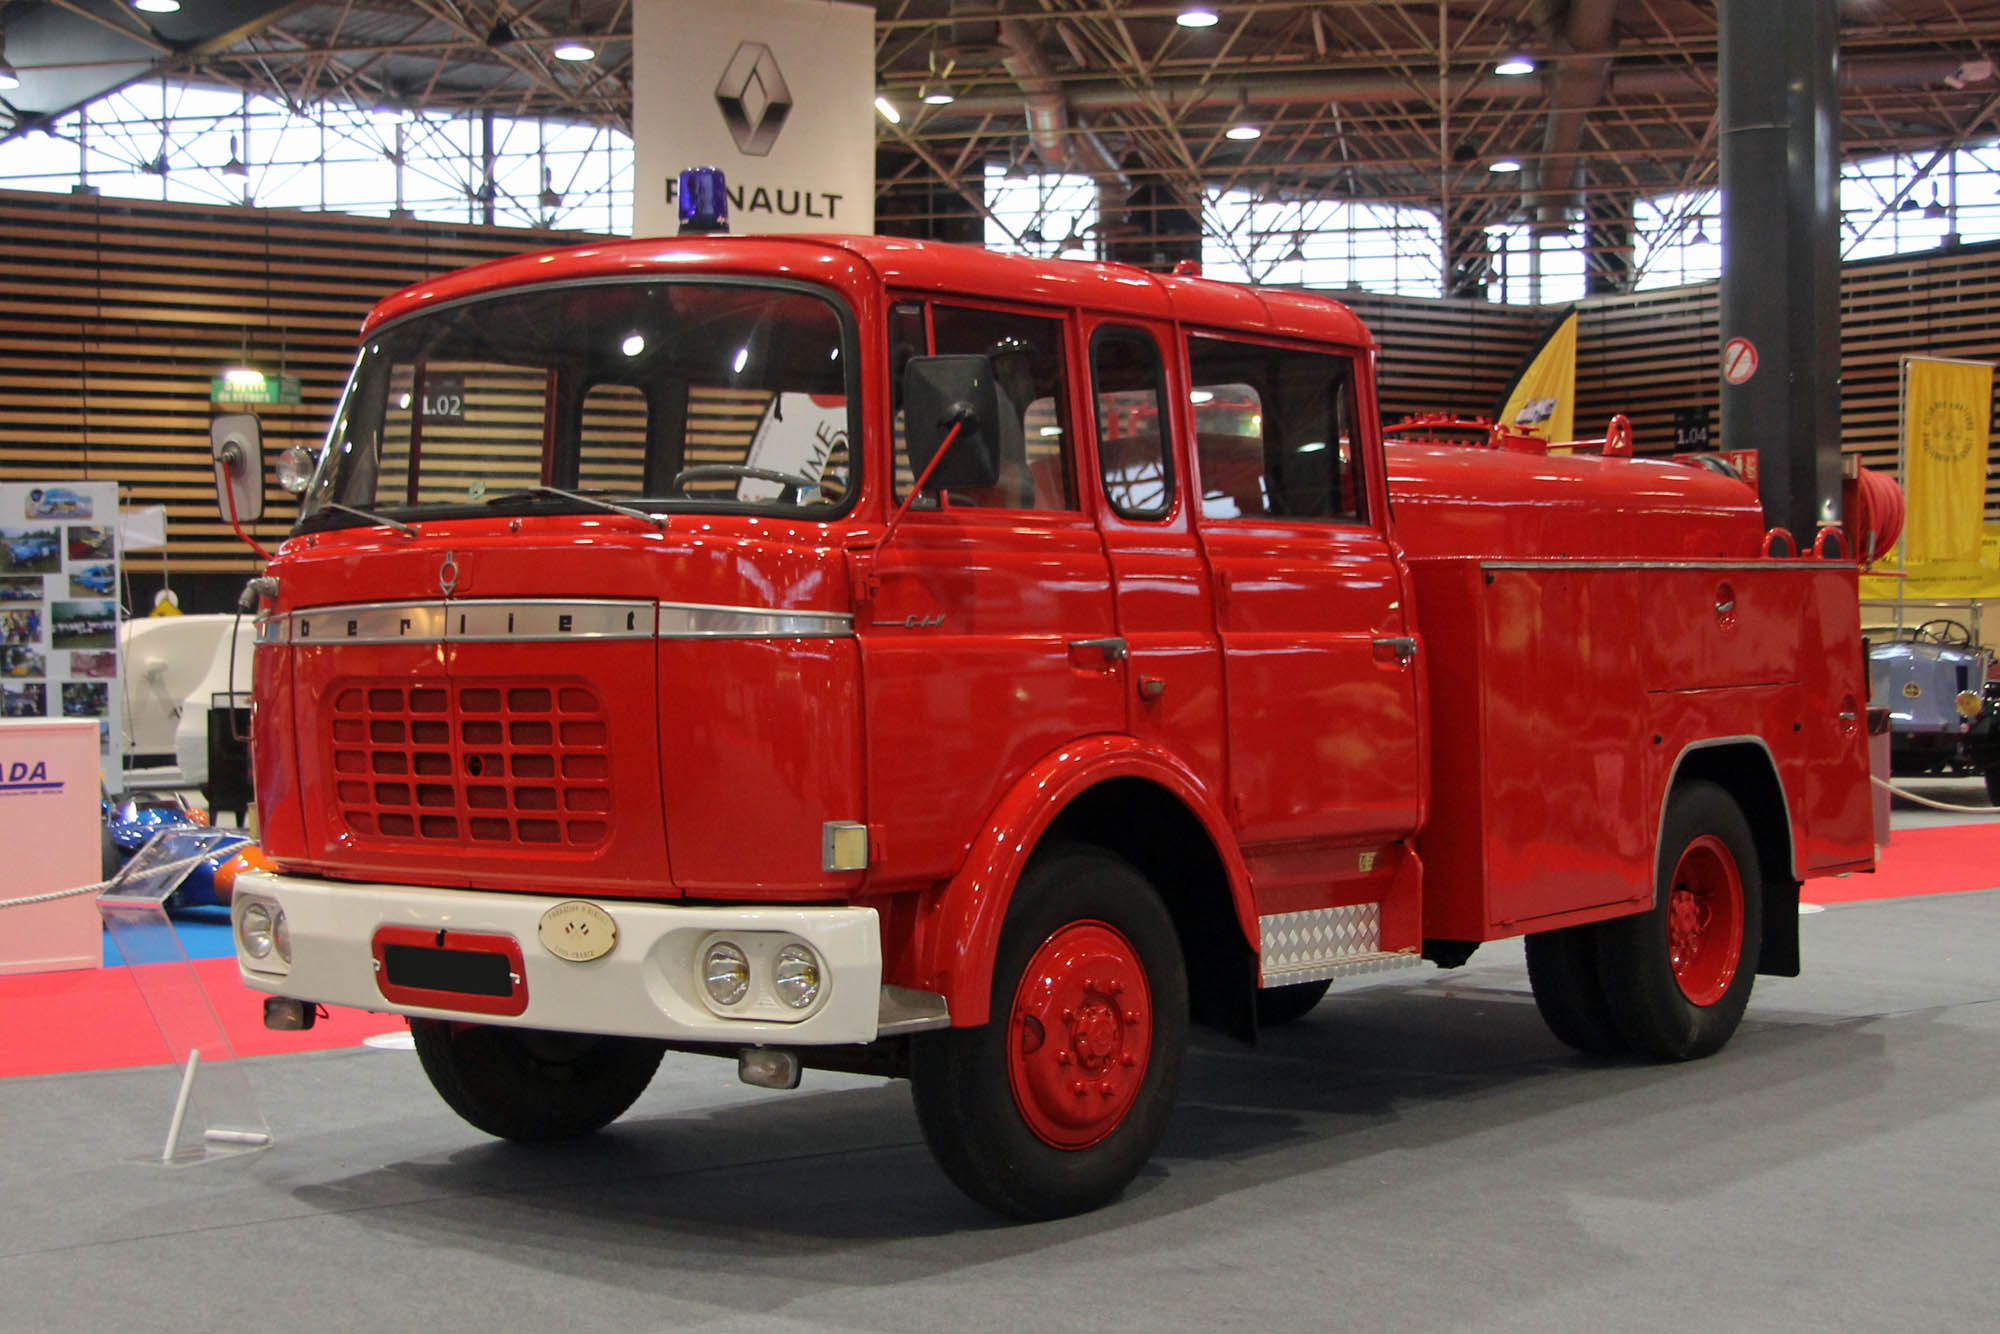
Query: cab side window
[
  {"x": 1274, "y": 432},
  {"x": 1133, "y": 440},
  {"x": 1027, "y": 356}
]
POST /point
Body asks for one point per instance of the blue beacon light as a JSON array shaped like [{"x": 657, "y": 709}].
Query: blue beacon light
[{"x": 704, "y": 201}]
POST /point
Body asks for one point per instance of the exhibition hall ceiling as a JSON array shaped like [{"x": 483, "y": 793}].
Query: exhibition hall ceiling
[{"x": 1357, "y": 99}]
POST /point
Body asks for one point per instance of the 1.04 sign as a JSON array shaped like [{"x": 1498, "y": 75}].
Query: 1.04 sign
[{"x": 444, "y": 398}]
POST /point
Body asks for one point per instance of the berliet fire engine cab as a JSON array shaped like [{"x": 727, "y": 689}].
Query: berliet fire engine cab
[{"x": 865, "y": 654}]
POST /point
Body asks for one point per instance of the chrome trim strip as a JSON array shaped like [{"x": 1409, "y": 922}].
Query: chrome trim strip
[
  {"x": 1775, "y": 563},
  {"x": 543, "y": 620},
  {"x": 369, "y": 623},
  {"x": 522, "y": 620},
  {"x": 695, "y": 620}
]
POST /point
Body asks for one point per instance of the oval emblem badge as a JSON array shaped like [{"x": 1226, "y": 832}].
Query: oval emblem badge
[
  {"x": 578, "y": 931},
  {"x": 1912, "y": 690}
]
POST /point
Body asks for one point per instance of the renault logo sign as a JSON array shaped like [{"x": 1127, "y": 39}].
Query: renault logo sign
[{"x": 753, "y": 98}]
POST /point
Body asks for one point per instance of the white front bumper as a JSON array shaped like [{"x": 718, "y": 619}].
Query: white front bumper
[{"x": 649, "y": 985}]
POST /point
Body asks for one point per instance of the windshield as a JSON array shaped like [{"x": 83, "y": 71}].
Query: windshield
[{"x": 715, "y": 395}]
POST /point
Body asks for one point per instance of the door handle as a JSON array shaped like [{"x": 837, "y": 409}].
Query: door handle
[
  {"x": 1112, "y": 647},
  {"x": 1400, "y": 647}
]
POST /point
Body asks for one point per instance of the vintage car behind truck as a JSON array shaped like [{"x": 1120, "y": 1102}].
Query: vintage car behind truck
[{"x": 867, "y": 654}]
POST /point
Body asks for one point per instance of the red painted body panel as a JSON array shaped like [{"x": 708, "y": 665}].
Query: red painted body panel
[{"x": 1509, "y": 778}]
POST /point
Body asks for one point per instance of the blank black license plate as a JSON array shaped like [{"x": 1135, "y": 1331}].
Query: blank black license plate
[{"x": 462, "y": 972}]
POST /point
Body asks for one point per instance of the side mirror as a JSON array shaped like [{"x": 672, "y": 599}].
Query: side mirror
[
  {"x": 237, "y": 445},
  {"x": 940, "y": 392}
]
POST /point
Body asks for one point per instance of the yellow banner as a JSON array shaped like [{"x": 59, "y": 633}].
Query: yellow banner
[
  {"x": 1543, "y": 399},
  {"x": 1947, "y": 412}
]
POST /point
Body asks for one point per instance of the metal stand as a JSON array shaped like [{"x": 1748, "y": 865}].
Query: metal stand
[{"x": 215, "y": 1115}]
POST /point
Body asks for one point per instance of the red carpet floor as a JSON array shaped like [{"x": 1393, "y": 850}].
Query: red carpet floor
[
  {"x": 1946, "y": 859},
  {"x": 95, "y": 1019}
]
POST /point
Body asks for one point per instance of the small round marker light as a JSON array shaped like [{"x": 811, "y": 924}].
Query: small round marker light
[
  {"x": 797, "y": 976},
  {"x": 1968, "y": 703},
  {"x": 725, "y": 972}
]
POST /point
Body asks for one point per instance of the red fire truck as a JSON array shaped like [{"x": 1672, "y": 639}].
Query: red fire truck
[{"x": 865, "y": 654}]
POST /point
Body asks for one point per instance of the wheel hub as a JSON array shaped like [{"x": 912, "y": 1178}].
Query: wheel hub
[
  {"x": 1705, "y": 920},
  {"x": 1080, "y": 1028}
]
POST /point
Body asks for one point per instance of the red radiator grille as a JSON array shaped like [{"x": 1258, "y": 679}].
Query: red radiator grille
[{"x": 486, "y": 762}]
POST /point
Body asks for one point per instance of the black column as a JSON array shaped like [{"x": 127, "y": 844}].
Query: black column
[{"x": 1781, "y": 251}]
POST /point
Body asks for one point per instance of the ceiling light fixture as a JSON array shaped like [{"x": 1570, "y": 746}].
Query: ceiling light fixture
[
  {"x": 1197, "y": 17},
  {"x": 552, "y": 197},
  {"x": 235, "y": 166},
  {"x": 574, "y": 49},
  {"x": 888, "y": 110},
  {"x": 1934, "y": 209},
  {"x": 936, "y": 93},
  {"x": 1516, "y": 65},
  {"x": 1700, "y": 233},
  {"x": 1240, "y": 124},
  {"x": 1504, "y": 166},
  {"x": 158, "y": 6}
]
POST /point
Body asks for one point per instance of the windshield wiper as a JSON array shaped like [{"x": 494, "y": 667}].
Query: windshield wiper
[
  {"x": 582, "y": 499},
  {"x": 372, "y": 517}
]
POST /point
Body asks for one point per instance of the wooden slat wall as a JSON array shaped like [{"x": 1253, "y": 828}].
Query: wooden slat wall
[
  {"x": 1648, "y": 354},
  {"x": 1444, "y": 356},
  {"x": 115, "y": 315}
]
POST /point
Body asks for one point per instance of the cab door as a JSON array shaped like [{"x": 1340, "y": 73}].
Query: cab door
[
  {"x": 1318, "y": 642},
  {"x": 988, "y": 638},
  {"x": 1159, "y": 578}
]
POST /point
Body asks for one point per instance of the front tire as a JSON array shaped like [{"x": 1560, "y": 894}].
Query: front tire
[
  {"x": 1677, "y": 978},
  {"x": 530, "y": 1085},
  {"x": 1053, "y": 1105}
]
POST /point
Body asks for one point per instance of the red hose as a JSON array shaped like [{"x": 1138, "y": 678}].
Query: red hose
[{"x": 1875, "y": 516}]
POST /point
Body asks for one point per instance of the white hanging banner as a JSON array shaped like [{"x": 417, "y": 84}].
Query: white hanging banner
[
  {"x": 59, "y": 606},
  {"x": 780, "y": 94}
]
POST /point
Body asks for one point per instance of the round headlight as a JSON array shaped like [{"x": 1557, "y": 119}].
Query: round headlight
[
  {"x": 295, "y": 469},
  {"x": 726, "y": 973},
  {"x": 255, "y": 931},
  {"x": 1968, "y": 703},
  {"x": 797, "y": 976}
]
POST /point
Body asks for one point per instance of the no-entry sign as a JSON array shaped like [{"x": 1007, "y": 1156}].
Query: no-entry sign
[{"x": 1739, "y": 360}]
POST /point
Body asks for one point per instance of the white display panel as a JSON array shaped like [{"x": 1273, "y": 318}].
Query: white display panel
[{"x": 780, "y": 94}]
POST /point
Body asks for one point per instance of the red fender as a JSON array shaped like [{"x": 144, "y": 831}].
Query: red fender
[{"x": 962, "y": 927}]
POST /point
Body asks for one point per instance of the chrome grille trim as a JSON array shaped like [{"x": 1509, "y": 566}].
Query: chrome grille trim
[
  {"x": 543, "y": 620},
  {"x": 694, "y": 620}
]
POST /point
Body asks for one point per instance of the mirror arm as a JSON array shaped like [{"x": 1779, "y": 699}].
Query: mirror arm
[
  {"x": 232, "y": 459},
  {"x": 958, "y": 420}
]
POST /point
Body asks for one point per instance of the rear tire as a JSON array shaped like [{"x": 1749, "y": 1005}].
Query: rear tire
[
  {"x": 531, "y": 1085},
  {"x": 1562, "y": 969},
  {"x": 1053, "y": 1105},
  {"x": 1277, "y": 1006},
  {"x": 1993, "y": 785},
  {"x": 1677, "y": 978}
]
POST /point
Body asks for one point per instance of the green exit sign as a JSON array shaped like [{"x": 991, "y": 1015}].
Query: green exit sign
[{"x": 239, "y": 387}]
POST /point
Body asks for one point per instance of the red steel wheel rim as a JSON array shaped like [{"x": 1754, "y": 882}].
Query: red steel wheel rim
[
  {"x": 1078, "y": 1035},
  {"x": 1705, "y": 920}
]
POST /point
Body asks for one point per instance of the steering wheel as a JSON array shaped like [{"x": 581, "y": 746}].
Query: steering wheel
[
  {"x": 1942, "y": 631},
  {"x": 800, "y": 486}
]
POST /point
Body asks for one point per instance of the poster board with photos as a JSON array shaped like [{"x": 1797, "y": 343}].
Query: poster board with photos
[{"x": 59, "y": 606}]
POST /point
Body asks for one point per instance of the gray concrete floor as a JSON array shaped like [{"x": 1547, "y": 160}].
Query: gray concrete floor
[{"x": 1417, "y": 1154}]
